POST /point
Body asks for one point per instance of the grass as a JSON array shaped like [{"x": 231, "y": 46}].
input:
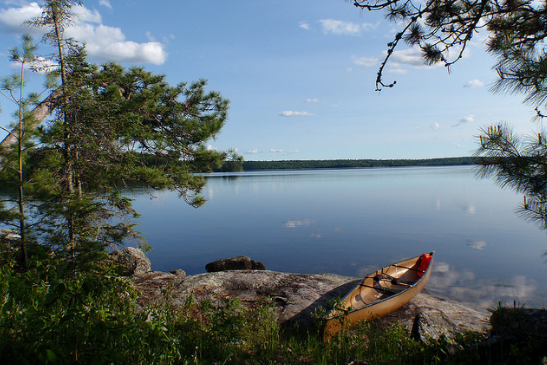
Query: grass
[
  {"x": 232, "y": 334},
  {"x": 92, "y": 318}
]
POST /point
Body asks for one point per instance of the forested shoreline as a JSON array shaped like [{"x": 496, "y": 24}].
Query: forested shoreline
[{"x": 360, "y": 163}]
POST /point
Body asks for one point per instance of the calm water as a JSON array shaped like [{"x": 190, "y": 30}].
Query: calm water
[{"x": 351, "y": 222}]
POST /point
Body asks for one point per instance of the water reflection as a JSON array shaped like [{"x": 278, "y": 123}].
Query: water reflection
[
  {"x": 479, "y": 292},
  {"x": 477, "y": 245},
  {"x": 297, "y": 224}
]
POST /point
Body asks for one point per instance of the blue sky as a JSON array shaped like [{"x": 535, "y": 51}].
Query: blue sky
[{"x": 299, "y": 75}]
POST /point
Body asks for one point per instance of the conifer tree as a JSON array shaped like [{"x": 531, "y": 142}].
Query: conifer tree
[
  {"x": 112, "y": 128},
  {"x": 12, "y": 169}
]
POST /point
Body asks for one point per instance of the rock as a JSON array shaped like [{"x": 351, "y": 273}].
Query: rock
[
  {"x": 133, "y": 259},
  {"x": 178, "y": 273},
  {"x": 234, "y": 263},
  {"x": 432, "y": 325},
  {"x": 8, "y": 240},
  {"x": 296, "y": 296},
  {"x": 8, "y": 235},
  {"x": 462, "y": 317}
]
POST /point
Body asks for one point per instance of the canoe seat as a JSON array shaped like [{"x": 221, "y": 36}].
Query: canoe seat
[{"x": 384, "y": 289}]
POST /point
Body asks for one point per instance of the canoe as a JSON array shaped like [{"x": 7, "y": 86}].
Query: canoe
[{"x": 380, "y": 293}]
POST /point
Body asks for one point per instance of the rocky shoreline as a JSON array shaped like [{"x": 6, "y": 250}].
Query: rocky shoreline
[{"x": 296, "y": 296}]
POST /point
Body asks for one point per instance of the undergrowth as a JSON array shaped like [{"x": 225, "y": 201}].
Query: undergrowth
[{"x": 48, "y": 316}]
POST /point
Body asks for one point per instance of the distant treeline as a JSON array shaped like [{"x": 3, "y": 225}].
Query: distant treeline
[{"x": 344, "y": 164}]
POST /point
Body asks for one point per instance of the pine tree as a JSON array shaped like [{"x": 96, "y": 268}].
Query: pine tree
[
  {"x": 114, "y": 128},
  {"x": 110, "y": 129},
  {"x": 14, "y": 159}
]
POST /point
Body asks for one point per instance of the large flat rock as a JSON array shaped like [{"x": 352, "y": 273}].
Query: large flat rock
[{"x": 297, "y": 296}]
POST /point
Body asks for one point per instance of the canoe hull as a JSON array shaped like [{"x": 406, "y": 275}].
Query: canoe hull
[{"x": 380, "y": 293}]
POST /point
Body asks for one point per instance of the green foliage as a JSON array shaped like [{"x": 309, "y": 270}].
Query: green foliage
[
  {"x": 112, "y": 128},
  {"x": 14, "y": 160},
  {"x": 520, "y": 163},
  {"x": 49, "y": 315}
]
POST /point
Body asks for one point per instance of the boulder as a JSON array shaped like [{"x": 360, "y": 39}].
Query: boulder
[
  {"x": 9, "y": 235},
  {"x": 132, "y": 259},
  {"x": 8, "y": 240},
  {"x": 428, "y": 312},
  {"x": 432, "y": 325},
  {"x": 234, "y": 263}
]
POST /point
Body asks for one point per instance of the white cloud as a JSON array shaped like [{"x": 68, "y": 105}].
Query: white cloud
[
  {"x": 41, "y": 65},
  {"x": 366, "y": 61},
  {"x": 474, "y": 83},
  {"x": 168, "y": 38},
  {"x": 399, "y": 71},
  {"x": 105, "y": 3},
  {"x": 276, "y": 150},
  {"x": 468, "y": 119},
  {"x": 340, "y": 27},
  {"x": 304, "y": 25},
  {"x": 252, "y": 152},
  {"x": 290, "y": 113},
  {"x": 103, "y": 42},
  {"x": 83, "y": 14},
  {"x": 211, "y": 148},
  {"x": 109, "y": 43},
  {"x": 12, "y": 19},
  {"x": 150, "y": 36},
  {"x": 411, "y": 57},
  {"x": 435, "y": 126},
  {"x": 312, "y": 100}
]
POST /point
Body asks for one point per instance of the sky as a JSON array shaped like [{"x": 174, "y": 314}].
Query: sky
[{"x": 299, "y": 74}]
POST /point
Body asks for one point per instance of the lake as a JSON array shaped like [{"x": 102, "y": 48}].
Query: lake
[{"x": 353, "y": 221}]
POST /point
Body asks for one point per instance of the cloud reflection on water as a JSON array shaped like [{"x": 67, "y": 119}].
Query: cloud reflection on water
[
  {"x": 481, "y": 294},
  {"x": 477, "y": 245},
  {"x": 297, "y": 224}
]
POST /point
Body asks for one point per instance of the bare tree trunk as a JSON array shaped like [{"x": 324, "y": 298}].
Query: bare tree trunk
[{"x": 39, "y": 113}]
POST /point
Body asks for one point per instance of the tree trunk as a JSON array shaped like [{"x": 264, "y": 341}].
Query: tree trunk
[{"x": 39, "y": 113}]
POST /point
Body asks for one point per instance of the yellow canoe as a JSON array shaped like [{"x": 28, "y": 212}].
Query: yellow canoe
[{"x": 380, "y": 293}]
